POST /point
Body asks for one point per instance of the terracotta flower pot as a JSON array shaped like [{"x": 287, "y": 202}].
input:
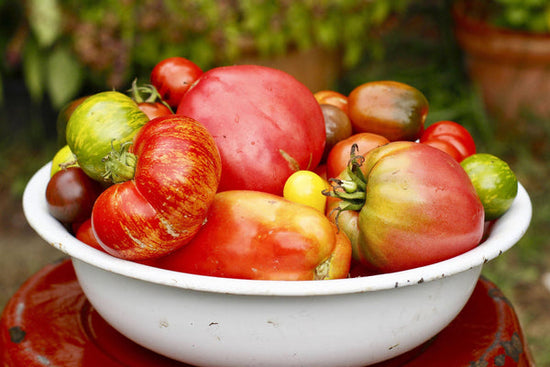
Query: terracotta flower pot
[{"x": 512, "y": 69}]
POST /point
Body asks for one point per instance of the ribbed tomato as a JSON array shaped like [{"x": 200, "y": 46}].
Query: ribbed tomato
[
  {"x": 177, "y": 172},
  {"x": 419, "y": 207}
]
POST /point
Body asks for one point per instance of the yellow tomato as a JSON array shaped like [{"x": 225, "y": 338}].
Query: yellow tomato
[
  {"x": 63, "y": 157},
  {"x": 306, "y": 187}
]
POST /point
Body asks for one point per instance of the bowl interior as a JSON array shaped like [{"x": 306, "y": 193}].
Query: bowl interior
[{"x": 505, "y": 232}]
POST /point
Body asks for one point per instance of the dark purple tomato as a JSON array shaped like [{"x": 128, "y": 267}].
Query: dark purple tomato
[{"x": 71, "y": 194}]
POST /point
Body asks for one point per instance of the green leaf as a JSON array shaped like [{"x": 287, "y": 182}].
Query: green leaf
[
  {"x": 64, "y": 76},
  {"x": 33, "y": 71},
  {"x": 45, "y": 20}
]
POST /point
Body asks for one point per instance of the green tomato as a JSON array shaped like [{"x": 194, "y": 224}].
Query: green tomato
[
  {"x": 64, "y": 158},
  {"x": 102, "y": 123},
  {"x": 494, "y": 181}
]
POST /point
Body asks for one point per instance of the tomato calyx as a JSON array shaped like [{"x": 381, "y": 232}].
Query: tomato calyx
[
  {"x": 120, "y": 165},
  {"x": 351, "y": 190},
  {"x": 151, "y": 93}
]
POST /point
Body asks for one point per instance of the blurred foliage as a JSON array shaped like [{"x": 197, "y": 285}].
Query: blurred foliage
[
  {"x": 529, "y": 15},
  {"x": 521, "y": 15},
  {"x": 64, "y": 44}
]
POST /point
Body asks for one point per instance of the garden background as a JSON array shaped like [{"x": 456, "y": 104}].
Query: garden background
[{"x": 55, "y": 51}]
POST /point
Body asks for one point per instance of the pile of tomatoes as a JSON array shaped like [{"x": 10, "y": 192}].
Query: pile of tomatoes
[{"x": 242, "y": 172}]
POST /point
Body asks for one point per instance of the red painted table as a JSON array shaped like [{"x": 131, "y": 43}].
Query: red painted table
[{"x": 49, "y": 322}]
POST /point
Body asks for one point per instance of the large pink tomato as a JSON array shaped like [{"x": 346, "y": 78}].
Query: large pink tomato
[
  {"x": 265, "y": 123},
  {"x": 419, "y": 208}
]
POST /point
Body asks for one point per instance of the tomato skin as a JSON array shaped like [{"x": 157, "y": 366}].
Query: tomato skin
[
  {"x": 154, "y": 110},
  {"x": 266, "y": 124},
  {"x": 452, "y": 133},
  {"x": 421, "y": 207},
  {"x": 306, "y": 187},
  {"x": 337, "y": 126},
  {"x": 332, "y": 98},
  {"x": 446, "y": 147},
  {"x": 270, "y": 238},
  {"x": 392, "y": 109},
  {"x": 494, "y": 181},
  {"x": 339, "y": 155},
  {"x": 85, "y": 234},
  {"x": 70, "y": 195},
  {"x": 173, "y": 77},
  {"x": 177, "y": 173},
  {"x": 101, "y": 123}
]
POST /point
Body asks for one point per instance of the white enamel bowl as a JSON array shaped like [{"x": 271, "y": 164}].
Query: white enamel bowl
[{"x": 208, "y": 321}]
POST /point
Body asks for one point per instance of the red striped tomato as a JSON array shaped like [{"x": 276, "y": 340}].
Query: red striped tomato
[{"x": 177, "y": 172}]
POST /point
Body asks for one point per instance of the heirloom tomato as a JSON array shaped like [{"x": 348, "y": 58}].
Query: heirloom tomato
[
  {"x": 332, "y": 98},
  {"x": 450, "y": 137},
  {"x": 306, "y": 187},
  {"x": 177, "y": 171},
  {"x": 103, "y": 122},
  {"x": 494, "y": 181},
  {"x": 257, "y": 235},
  {"x": 70, "y": 195},
  {"x": 392, "y": 109},
  {"x": 339, "y": 156},
  {"x": 266, "y": 124},
  {"x": 416, "y": 206},
  {"x": 337, "y": 126},
  {"x": 173, "y": 76}
]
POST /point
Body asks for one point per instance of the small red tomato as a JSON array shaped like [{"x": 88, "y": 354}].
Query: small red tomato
[
  {"x": 86, "y": 235},
  {"x": 445, "y": 146},
  {"x": 173, "y": 76},
  {"x": 333, "y": 98},
  {"x": 154, "y": 109},
  {"x": 71, "y": 194},
  {"x": 339, "y": 155},
  {"x": 453, "y": 133}
]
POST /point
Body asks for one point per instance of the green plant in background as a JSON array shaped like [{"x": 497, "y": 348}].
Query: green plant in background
[
  {"x": 522, "y": 15},
  {"x": 527, "y": 15},
  {"x": 65, "y": 44}
]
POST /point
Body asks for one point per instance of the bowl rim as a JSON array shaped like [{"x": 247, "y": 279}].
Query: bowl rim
[{"x": 505, "y": 233}]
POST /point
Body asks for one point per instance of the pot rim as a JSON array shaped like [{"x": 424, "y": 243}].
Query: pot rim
[{"x": 505, "y": 233}]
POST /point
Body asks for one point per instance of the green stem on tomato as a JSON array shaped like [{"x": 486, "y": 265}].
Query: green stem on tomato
[
  {"x": 120, "y": 165},
  {"x": 150, "y": 91},
  {"x": 352, "y": 190}
]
